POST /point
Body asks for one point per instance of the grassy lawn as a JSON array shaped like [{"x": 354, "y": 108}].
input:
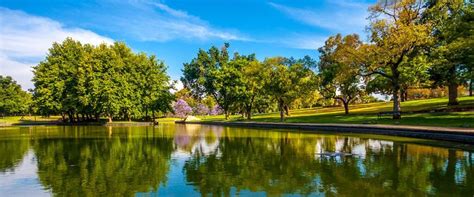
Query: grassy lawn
[
  {"x": 418, "y": 112},
  {"x": 28, "y": 119}
]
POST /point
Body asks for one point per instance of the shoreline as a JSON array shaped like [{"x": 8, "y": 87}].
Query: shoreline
[
  {"x": 462, "y": 135},
  {"x": 117, "y": 124}
]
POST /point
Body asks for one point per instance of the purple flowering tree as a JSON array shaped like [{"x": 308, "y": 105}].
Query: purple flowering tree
[
  {"x": 181, "y": 108},
  {"x": 216, "y": 110},
  {"x": 201, "y": 109}
]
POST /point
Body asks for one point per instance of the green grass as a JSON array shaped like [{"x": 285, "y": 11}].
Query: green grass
[
  {"x": 418, "y": 112},
  {"x": 29, "y": 120},
  {"x": 359, "y": 114},
  {"x": 13, "y": 120}
]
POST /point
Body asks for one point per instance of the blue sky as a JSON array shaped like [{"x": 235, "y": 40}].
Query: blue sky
[{"x": 173, "y": 30}]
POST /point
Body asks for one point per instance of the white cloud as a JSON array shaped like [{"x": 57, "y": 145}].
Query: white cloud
[
  {"x": 154, "y": 21},
  {"x": 343, "y": 17},
  {"x": 25, "y": 39},
  {"x": 306, "y": 42}
]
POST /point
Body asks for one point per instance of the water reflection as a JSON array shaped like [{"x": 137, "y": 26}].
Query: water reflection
[{"x": 190, "y": 159}]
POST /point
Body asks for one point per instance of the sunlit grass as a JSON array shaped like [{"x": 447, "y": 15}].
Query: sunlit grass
[
  {"x": 27, "y": 119},
  {"x": 417, "y": 112}
]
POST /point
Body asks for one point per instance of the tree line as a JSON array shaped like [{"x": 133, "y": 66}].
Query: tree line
[{"x": 411, "y": 43}]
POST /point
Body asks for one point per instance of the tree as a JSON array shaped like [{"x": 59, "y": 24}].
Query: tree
[
  {"x": 452, "y": 54},
  {"x": 397, "y": 35},
  {"x": 212, "y": 73},
  {"x": 216, "y": 110},
  {"x": 286, "y": 83},
  {"x": 338, "y": 69},
  {"x": 86, "y": 82},
  {"x": 13, "y": 100},
  {"x": 413, "y": 74},
  {"x": 253, "y": 83},
  {"x": 181, "y": 108},
  {"x": 186, "y": 95},
  {"x": 201, "y": 109}
]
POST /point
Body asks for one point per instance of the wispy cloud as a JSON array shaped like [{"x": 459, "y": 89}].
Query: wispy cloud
[
  {"x": 25, "y": 39},
  {"x": 157, "y": 21},
  {"x": 339, "y": 16},
  {"x": 349, "y": 4}
]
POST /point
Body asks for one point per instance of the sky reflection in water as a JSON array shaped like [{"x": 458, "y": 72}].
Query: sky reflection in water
[{"x": 193, "y": 160}]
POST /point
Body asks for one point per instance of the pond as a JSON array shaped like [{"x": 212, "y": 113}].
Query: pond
[{"x": 193, "y": 160}]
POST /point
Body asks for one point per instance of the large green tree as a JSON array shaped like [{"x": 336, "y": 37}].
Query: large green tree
[
  {"x": 253, "y": 83},
  {"x": 86, "y": 82},
  {"x": 213, "y": 73},
  {"x": 339, "y": 72},
  {"x": 396, "y": 36},
  {"x": 13, "y": 100},
  {"x": 287, "y": 82},
  {"x": 453, "y": 51}
]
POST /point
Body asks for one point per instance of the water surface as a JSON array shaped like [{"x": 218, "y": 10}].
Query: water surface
[{"x": 193, "y": 160}]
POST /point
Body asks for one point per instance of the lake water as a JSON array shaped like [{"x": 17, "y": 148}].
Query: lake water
[{"x": 193, "y": 160}]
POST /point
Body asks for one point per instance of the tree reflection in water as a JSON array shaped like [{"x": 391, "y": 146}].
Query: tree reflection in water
[
  {"x": 283, "y": 163},
  {"x": 89, "y": 161},
  {"x": 90, "y": 164}
]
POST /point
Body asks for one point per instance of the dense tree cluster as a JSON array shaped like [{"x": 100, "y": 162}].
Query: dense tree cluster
[
  {"x": 85, "y": 82},
  {"x": 243, "y": 84},
  {"x": 411, "y": 43},
  {"x": 13, "y": 100}
]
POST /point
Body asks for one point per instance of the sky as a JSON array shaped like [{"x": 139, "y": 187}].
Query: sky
[{"x": 174, "y": 31}]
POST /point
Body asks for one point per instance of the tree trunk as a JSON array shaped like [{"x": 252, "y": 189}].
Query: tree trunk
[
  {"x": 282, "y": 110},
  {"x": 287, "y": 110},
  {"x": 226, "y": 115},
  {"x": 346, "y": 107},
  {"x": 248, "y": 110},
  {"x": 396, "y": 104},
  {"x": 71, "y": 117},
  {"x": 402, "y": 95},
  {"x": 453, "y": 93},
  {"x": 63, "y": 117},
  {"x": 109, "y": 117},
  {"x": 470, "y": 87},
  {"x": 396, "y": 92},
  {"x": 406, "y": 95}
]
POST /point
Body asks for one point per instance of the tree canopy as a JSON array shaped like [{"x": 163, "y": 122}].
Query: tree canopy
[
  {"x": 86, "y": 82},
  {"x": 13, "y": 100}
]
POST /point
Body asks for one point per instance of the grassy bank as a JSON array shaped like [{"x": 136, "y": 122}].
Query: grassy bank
[
  {"x": 27, "y": 120},
  {"x": 39, "y": 120},
  {"x": 428, "y": 112}
]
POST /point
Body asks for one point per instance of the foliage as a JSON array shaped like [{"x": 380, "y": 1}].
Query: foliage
[
  {"x": 397, "y": 36},
  {"x": 201, "y": 109},
  {"x": 452, "y": 54},
  {"x": 287, "y": 83},
  {"x": 181, "y": 108},
  {"x": 216, "y": 110},
  {"x": 13, "y": 100},
  {"x": 85, "y": 82},
  {"x": 339, "y": 69}
]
